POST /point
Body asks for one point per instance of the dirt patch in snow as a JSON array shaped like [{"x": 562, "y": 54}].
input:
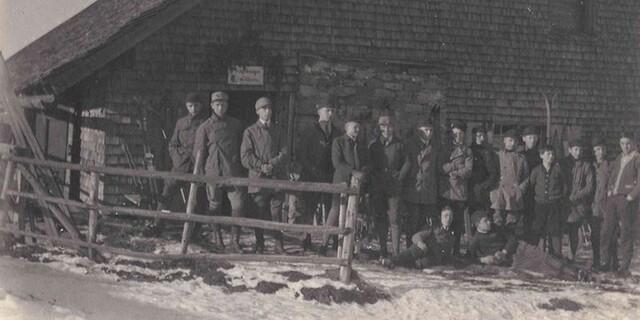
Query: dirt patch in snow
[
  {"x": 561, "y": 304},
  {"x": 295, "y": 276},
  {"x": 364, "y": 293},
  {"x": 268, "y": 287}
]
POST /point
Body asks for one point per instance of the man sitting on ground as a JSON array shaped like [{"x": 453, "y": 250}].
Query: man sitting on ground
[
  {"x": 431, "y": 247},
  {"x": 489, "y": 246}
]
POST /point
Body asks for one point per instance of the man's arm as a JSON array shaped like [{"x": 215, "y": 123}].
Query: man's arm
[
  {"x": 587, "y": 190},
  {"x": 337, "y": 157},
  {"x": 200, "y": 148},
  {"x": 175, "y": 149},
  {"x": 248, "y": 156},
  {"x": 464, "y": 172}
]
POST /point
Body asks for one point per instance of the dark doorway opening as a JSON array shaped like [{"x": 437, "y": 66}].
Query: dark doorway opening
[{"x": 242, "y": 105}]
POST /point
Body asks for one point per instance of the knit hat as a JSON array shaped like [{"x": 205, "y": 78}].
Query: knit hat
[{"x": 457, "y": 124}]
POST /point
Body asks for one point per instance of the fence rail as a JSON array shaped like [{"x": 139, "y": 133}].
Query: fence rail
[{"x": 344, "y": 230}]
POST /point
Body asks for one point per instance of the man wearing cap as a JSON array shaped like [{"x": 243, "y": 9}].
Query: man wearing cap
[
  {"x": 264, "y": 154},
  {"x": 484, "y": 176},
  {"x": 579, "y": 174},
  {"x": 623, "y": 189},
  {"x": 506, "y": 199},
  {"x": 181, "y": 152},
  {"x": 390, "y": 166},
  {"x": 598, "y": 207},
  {"x": 350, "y": 158},
  {"x": 218, "y": 143},
  {"x": 420, "y": 187},
  {"x": 457, "y": 164},
  {"x": 531, "y": 138},
  {"x": 313, "y": 153}
]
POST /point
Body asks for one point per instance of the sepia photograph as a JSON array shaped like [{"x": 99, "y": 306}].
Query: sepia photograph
[{"x": 319, "y": 159}]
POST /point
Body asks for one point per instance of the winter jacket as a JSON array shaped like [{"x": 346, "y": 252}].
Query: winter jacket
[
  {"x": 439, "y": 242},
  {"x": 484, "y": 175},
  {"x": 421, "y": 183},
  {"x": 457, "y": 164},
  {"x": 513, "y": 180},
  {"x": 389, "y": 166},
  {"x": 181, "y": 144},
  {"x": 548, "y": 186},
  {"x": 263, "y": 145},
  {"x": 218, "y": 139},
  {"x": 600, "y": 196},
  {"x": 629, "y": 178},
  {"x": 344, "y": 158},
  {"x": 313, "y": 152},
  {"x": 579, "y": 176}
]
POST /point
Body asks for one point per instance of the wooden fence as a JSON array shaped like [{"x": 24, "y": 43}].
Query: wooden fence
[{"x": 344, "y": 230}]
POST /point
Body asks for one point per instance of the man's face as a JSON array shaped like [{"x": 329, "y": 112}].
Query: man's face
[
  {"x": 446, "y": 217},
  {"x": 530, "y": 141},
  {"x": 509, "y": 143},
  {"x": 264, "y": 113},
  {"x": 458, "y": 135},
  {"x": 547, "y": 156},
  {"x": 598, "y": 152},
  {"x": 484, "y": 225},
  {"x": 425, "y": 133},
  {"x": 626, "y": 145},
  {"x": 219, "y": 107},
  {"x": 576, "y": 152},
  {"x": 481, "y": 137},
  {"x": 325, "y": 114},
  {"x": 386, "y": 130},
  {"x": 352, "y": 129},
  {"x": 194, "y": 108}
]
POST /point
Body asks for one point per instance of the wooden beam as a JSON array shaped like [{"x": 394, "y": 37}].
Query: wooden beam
[
  {"x": 349, "y": 240},
  {"x": 180, "y": 216},
  {"x": 231, "y": 181},
  {"x": 194, "y": 256}
]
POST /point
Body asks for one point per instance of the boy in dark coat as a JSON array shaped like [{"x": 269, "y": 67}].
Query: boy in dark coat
[
  {"x": 489, "y": 245},
  {"x": 431, "y": 247},
  {"x": 601, "y": 166},
  {"x": 548, "y": 183},
  {"x": 484, "y": 175}
]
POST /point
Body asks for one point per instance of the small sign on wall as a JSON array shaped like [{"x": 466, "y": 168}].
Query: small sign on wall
[{"x": 246, "y": 75}]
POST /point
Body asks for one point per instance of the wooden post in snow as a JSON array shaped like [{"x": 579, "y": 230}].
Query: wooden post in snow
[
  {"x": 350, "y": 222},
  {"x": 341, "y": 222},
  {"x": 93, "y": 214},
  {"x": 191, "y": 205}
]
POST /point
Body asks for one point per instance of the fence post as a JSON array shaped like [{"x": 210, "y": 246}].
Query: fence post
[
  {"x": 350, "y": 223},
  {"x": 341, "y": 222},
  {"x": 8, "y": 172},
  {"x": 93, "y": 214},
  {"x": 191, "y": 205}
]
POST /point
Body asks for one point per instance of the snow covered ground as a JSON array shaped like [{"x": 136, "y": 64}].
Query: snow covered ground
[{"x": 71, "y": 287}]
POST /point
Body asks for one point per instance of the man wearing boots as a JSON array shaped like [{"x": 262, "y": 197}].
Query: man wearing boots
[
  {"x": 602, "y": 166},
  {"x": 390, "y": 166},
  {"x": 264, "y": 154},
  {"x": 181, "y": 153},
  {"x": 314, "y": 155},
  {"x": 218, "y": 142}
]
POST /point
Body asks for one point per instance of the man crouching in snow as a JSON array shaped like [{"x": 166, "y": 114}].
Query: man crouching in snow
[
  {"x": 499, "y": 248},
  {"x": 431, "y": 247}
]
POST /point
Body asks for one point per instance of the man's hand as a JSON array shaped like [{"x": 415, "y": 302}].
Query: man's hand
[
  {"x": 488, "y": 260},
  {"x": 629, "y": 198},
  {"x": 266, "y": 168}
]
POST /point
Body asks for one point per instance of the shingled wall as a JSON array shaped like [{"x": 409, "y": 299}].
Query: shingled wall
[{"x": 497, "y": 58}]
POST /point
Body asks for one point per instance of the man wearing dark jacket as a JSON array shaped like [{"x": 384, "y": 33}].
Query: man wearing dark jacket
[
  {"x": 313, "y": 153},
  {"x": 623, "y": 189},
  {"x": 390, "y": 166},
  {"x": 350, "y": 157},
  {"x": 218, "y": 143},
  {"x": 264, "y": 154},
  {"x": 485, "y": 173},
  {"x": 601, "y": 166},
  {"x": 531, "y": 139},
  {"x": 490, "y": 245},
  {"x": 181, "y": 152},
  {"x": 580, "y": 185}
]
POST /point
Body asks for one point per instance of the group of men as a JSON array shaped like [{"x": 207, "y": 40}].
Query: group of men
[{"x": 526, "y": 193}]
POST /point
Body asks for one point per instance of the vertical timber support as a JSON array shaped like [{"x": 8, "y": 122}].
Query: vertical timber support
[
  {"x": 8, "y": 173},
  {"x": 191, "y": 205},
  {"x": 341, "y": 222},
  {"x": 93, "y": 213},
  {"x": 350, "y": 223}
]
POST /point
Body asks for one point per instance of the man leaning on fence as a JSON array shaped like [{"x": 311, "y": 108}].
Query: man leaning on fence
[
  {"x": 264, "y": 154},
  {"x": 218, "y": 141}
]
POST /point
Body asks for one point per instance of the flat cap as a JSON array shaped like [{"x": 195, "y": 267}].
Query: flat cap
[
  {"x": 457, "y": 124},
  {"x": 219, "y": 95},
  {"x": 530, "y": 130},
  {"x": 576, "y": 142},
  {"x": 511, "y": 133},
  {"x": 193, "y": 97},
  {"x": 263, "y": 102}
]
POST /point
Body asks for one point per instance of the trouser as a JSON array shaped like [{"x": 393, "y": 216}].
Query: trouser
[
  {"x": 386, "y": 211},
  {"x": 332, "y": 219},
  {"x": 457, "y": 225},
  {"x": 170, "y": 189},
  {"x": 268, "y": 206},
  {"x": 622, "y": 213},
  {"x": 415, "y": 257},
  {"x": 547, "y": 222},
  {"x": 311, "y": 201},
  {"x": 528, "y": 213},
  {"x": 418, "y": 216},
  {"x": 236, "y": 196}
]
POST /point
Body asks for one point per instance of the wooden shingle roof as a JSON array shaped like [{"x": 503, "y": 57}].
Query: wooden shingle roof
[{"x": 88, "y": 41}]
